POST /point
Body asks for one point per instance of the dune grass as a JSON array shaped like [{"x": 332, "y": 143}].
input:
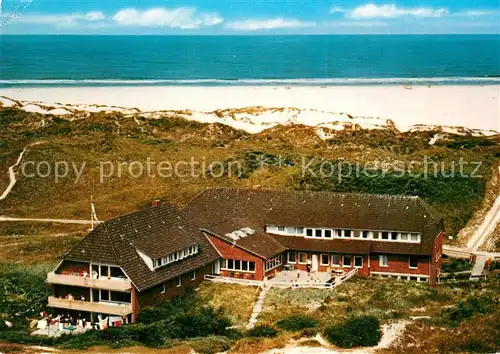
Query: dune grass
[
  {"x": 101, "y": 137},
  {"x": 235, "y": 300}
]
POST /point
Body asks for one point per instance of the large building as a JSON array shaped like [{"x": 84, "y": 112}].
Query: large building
[{"x": 137, "y": 259}]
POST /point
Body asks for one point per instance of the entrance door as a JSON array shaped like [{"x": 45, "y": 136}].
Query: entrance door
[{"x": 315, "y": 263}]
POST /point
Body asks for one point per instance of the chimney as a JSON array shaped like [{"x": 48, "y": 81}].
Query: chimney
[{"x": 155, "y": 203}]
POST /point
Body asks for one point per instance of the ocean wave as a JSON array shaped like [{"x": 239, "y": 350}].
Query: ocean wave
[{"x": 299, "y": 81}]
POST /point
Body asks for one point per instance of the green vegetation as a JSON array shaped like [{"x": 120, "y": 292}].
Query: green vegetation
[
  {"x": 355, "y": 332},
  {"x": 454, "y": 265},
  {"x": 466, "y": 309},
  {"x": 296, "y": 322},
  {"x": 262, "y": 331},
  {"x": 235, "y": 301},
  {"x": 23, "y": 291},
  {"x": 270, "y": 159}
]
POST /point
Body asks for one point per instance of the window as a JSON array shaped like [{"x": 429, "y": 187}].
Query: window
[
  {"x": 300, "y": 230},
  {"x": 273, "y": 262},
  {"x": 358, "y": 261},
  {"x": 414, "y": 237},
  {"x": 376, "y": 235},
  {"x": 309, "y": 232},
  {"x": 394, "y": 236},
  {"x": 364, "y": 234},
  {"x": 328, "y": 233},
  {"x": 291, "y": 257},
  {"x": 404, "y": 237},
  {"x": 413, "y": 262},
  {"x": 281, "y": 228},
  {"x": 338, "y": 233},
  {"x": 335, "y": 259},
  {"x": 104, "y": 271},
  {"x": 383, "y": 261},
  {"x": 174, "y": 256},
  {"x": 302, "y": 258},
  {"x": 325, "y": 259},
  {"x": 239, "y": 265},
  {"x": 116, "y": 272},
  {"x": 120, "y": 297},
  {"x": 356, "y": 234},
  {"x": 104, "y": 295},
  {"x": 346, "y": 261},
  {"x": 193, "y": 275},
  {"x": 385, "y": 235},
  {"x": 179, "y": 281},
  {"x": 163, "y": 288},
  {"x": 347, "y": 233},
  {"x": 318, "y": 232}
]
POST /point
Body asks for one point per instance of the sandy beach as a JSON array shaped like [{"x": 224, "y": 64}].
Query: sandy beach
[{"x": 475, "y": 107}]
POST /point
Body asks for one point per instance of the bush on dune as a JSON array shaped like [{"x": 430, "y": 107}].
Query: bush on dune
[
  {"x": 262, "y": 331},
  {"x": 472, "y": 306},
  {"x": 355, "y": 332},
  {"x": 296, "y": 322}
]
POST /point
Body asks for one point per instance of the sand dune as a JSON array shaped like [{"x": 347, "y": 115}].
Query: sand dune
[{"x": 474, "y": 107}]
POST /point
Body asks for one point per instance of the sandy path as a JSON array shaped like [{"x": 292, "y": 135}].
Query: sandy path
[
  {"x": 58, "y": 221},
  {"x": 12, "y": 170}
]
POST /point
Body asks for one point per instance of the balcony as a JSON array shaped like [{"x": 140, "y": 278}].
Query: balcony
[
  {"x": 114, "y": 284},
  {"x": 87, "y": 306}
]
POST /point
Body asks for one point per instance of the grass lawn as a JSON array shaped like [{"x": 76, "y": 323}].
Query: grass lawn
[{"x": 237, "y": 301}]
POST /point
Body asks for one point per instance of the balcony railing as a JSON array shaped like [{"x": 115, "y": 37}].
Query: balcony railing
[
  {"x": 114, "y": 284},
  {"x": 87, "y": 306}
]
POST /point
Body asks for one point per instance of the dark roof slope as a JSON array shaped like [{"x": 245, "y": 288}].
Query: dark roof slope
[
  {"x": 154, "y": 231},
  {"x": 258, "y": 242},
  {"x": 320, "y": 209}
]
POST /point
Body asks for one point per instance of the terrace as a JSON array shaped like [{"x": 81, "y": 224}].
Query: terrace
[{"x": 291, "y": 279}]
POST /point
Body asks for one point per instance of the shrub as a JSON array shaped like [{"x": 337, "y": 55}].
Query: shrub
[
  {"x": 23, "y": 291},
  {"x": 309, "y": 332},
  {"x": 466, "y": 309},
  {"x": 296, "y": 323},
  {"x": 262, "y": 331},
  {"x": 355, "y": 332},
  {"x": 210, "y": 345}
]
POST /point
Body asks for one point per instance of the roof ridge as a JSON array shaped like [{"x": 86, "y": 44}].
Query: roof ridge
[
  {"x": 197, "y": 196},
  {"x": 120, "y": 217},
  {"x": 298, "y": 192}
]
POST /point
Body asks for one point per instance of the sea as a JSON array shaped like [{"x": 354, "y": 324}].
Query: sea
[{"x": 65, "y": 60}]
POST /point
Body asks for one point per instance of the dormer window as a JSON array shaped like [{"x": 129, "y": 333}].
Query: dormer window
[{"x": 175, "y": 256}]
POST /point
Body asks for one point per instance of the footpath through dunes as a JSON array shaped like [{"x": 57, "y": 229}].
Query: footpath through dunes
[{"x": 13, "y": 170}]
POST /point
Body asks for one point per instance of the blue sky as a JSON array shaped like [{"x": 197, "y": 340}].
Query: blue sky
[{"x": 204, "y": 17}]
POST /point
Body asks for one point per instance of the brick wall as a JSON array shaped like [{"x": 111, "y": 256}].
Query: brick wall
[
  {"x": 437, "y": 259},
  {"x": 154, "y": 295},
  {"x": 228, "y": 251},
  {"x": 400, "y": 264}
]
